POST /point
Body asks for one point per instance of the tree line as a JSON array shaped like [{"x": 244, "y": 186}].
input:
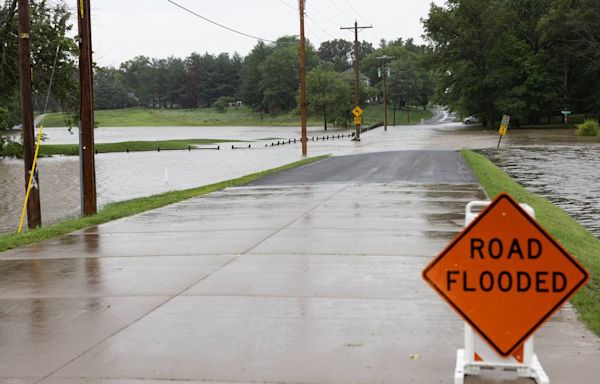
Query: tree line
[
  {"x": 50, "y": 24},
  {"x": 266, "y": 79},
  {"x": 530, "y": 59}
]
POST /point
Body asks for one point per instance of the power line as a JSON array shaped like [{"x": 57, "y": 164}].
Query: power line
[
  {"x": 321, "y": 28},
  {"x": 220, "y": 25},
  {"x": 310, "y": 19},
  {"x": 323, "y": 15},
  {"x": 288, "y": 5},
  {"x": 356, "y": 12},
  {"x": 359, "y": 15},
  {"x": 341, "y": 9}
]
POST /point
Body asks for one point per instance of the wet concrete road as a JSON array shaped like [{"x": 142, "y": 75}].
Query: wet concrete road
[
  {"x": 381, "y": 167},
  {"x": 272, "y": 283}
]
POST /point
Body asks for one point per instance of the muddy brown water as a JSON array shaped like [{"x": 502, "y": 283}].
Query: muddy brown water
[
  {"x": 567, "y": 175},
  {"x": 554, "y": 163}
]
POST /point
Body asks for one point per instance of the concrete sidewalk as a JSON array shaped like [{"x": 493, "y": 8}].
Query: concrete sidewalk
[{"x": 314, "y": 283}]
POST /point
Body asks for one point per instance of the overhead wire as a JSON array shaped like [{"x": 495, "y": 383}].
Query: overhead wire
[
  {"x": 325, "y": 17},
  {"x": 309, "y": 19},
  {"x": 341, "y": 9},
  {"x": 219, "y": 24},
  {"x": 359, "y": 16}
]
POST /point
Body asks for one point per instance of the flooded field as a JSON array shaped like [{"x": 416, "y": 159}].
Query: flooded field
[{"x": 553, "y": 163}]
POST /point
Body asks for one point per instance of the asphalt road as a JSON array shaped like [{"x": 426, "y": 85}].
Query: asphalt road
[{"x": 423, "y": 166}]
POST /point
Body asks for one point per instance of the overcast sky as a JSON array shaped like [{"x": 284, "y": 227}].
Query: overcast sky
[{"x": 123, "y": 29}]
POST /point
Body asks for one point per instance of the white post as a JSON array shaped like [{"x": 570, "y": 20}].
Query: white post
[{"x": 478, "y": 353}]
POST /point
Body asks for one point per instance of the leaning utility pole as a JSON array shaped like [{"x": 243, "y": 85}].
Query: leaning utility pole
[
  {"x": 34, "y": 216},
  {"x": 385, "y": 74},
  {"x": 303, "y": 103},
  {"x": 356, "y": 28},
  {"x": 86, "y": 98}
]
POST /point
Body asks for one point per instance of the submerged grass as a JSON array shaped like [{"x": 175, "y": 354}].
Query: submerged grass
[
  {"x": 566, "y": 230},
  {"x": 122, "y": 209},
  {"x": 131, "y": 146}
]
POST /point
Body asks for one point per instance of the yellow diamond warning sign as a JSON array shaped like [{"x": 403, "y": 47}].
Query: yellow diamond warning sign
[
  {"x": 357, "y": 111},
  {"x": 505, "y": 275}
]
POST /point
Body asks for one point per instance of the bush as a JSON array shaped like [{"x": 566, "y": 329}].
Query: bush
[
  {"x": 4, "y": 119},
  {"x": 588, "y": 128},
  {"x": 222, "y": 103},
  {"x": 9, "y": 148}
]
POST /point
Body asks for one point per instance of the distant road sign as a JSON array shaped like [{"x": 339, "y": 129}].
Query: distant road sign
[
  {"x": 357, "y": 120},
  {"x": 504, "y": 125},
  {"x": 566, "y": 112},
  {"x": 357, "y": 111},
  {"x": 505, "y": 275}
]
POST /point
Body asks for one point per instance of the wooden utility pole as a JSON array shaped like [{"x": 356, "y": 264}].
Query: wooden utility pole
[
  {"x": 34, "y": 216},
  {"x": 86, "y": 125},
  {"x": 356, "y": 28},
  {"x": 384, "y": 74},
  {"x": 303, "y": 103}
]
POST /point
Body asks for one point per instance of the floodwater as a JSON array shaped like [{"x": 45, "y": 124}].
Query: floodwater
[
  {"x": 567, "y": 175},
  {"x": 552, "y": 162}
]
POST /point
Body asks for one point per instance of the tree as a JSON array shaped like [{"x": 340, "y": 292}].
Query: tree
[
  {"x": 251, "y": 91},
  {"x": 280, "y": 80},
  {"x": 110, "y": 92},
  {"x": 337, "y": 53},
  {"x": 50, "y": 24},
  {"x": 329, "y": 95},
  {"x": 409, "y": 78},
  {"x": 270, "y": 74},
  {"x": 138, "y": 79},
  {"x": 176, "y": 81},
  {"x": 547, "y": 61},
  {"x": 475, "y": 57}
]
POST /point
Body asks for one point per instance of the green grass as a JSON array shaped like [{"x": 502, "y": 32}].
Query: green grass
[
  {"x": 122, "y": 209},
  {"x": 374, "y": 114},
  {"x": 556, "y": 123},
  {"x": 144, "y": 117},
  {"x": 574, "y": 237},
  {"x": 132, "y": 146},
  {"x": 235, "y": 116}
]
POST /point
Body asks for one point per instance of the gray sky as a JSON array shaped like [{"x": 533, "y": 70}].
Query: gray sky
[{"x": 123, "y": 29}]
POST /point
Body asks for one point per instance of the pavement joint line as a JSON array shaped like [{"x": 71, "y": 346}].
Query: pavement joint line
[
  {"x": 335, "y": 193},
  {"x": 117, "y": 257},
  {"x": 169, "y": 299},
  {"x": 343, "y": 254},
  {"x": 434, "y": 299},
  {"x": 142, "y": 379},
  {"x": 234, "y": 258}
]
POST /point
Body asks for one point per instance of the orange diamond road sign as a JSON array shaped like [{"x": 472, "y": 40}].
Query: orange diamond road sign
[{"x": 505, "y": 275}]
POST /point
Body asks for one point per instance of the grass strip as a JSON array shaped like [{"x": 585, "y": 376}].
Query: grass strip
[
  {"x": 566, "y": 230},
  {"x": 122, "y": 209},
  {"x": 375, "y": 113},
  {"x": 132, "y": 146},
  {"x": 198, "y": 117}
]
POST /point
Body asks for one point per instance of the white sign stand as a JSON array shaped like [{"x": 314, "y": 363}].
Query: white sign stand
[{"x": 478, "y": 354}]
